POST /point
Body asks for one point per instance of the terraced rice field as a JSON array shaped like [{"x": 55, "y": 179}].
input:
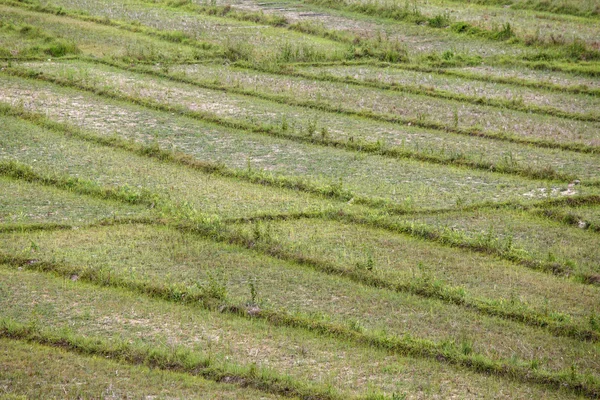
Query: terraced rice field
[{"x": 312, "y": 199}]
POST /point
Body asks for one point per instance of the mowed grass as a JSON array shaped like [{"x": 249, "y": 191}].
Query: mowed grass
[
  {"x": 109, "y": 313},
  {"x": 538, "y": 237},
  {"x": 418, "y": 40},
  {"x": 407, "y": 183},
  {"x": 243, "y": 39},
  {"x": 569, "y": 7},
  {"x": 400, "y": 258},
  {"x": 23, "y": 203},
  {"x": 543, "y": 75},
  {"x": 94, "y": 114},
  {"x": 55, "y": 154},
  {"x": 199, "y": 201},
  {"x": 155, "y": 254},
  {"x": 524, "y": 24},
  {"x": 103, "y": 41},
  {"x": 577, "y": 104},
  {"x": 418, "y": 109},
  {"x": 30, "y": 370}
]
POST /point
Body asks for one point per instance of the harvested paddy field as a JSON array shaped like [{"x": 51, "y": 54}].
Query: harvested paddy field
[{"x": 311, "y": 199}]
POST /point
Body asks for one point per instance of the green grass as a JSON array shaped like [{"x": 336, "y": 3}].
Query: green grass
[
  {"x": 584, "y": 217},
  {"x": 314, "y": 199},
  {"x": 584, "y": 8},
  {"x": 494, "y": 187},
  {"x": 102, "y": 41},
  {"x": 401, "y": 258},
  {"x": 418, "y": 40},
  {"x": 139, "y": 176},
  {"x": 24, "y": 204},
  {"x": 372, "y": 103},
  {"x": 509, "y": 95},
  {"x": 240, "y": 39},
  {"x": 539, "y": 238},
  {"x": 372, "y": 136},
  {"x": 139, "y": 255},
  {"x": 30, "y": 370},
  {"x": 110, "y": 314},
  {"x": 490, "y": 22}
]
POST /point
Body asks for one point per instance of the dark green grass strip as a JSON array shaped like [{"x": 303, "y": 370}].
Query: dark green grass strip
[
  {"x": 447, "y": 351},
  {"x": 537, "y": 209},
  {"x": 125, "y": 194},
  {"x": 177, "y": 359},
  {"x": 540, "y": 5},
  {"x": 34, "y": 227},
  {"x": 590, "y": 70}
]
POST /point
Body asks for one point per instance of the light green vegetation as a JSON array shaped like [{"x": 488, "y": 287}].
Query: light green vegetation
[
  {"x": 325, "y": 127},
  {"x": 56, "y": 154},
  {"x": 427, "y": 81},
  {"x": 408, "y": 108},
  {"x": 25, "y": 40},
  {"x": 530, "y": 26},
  {"x": 532, "y": 77},
  {"x": 396, "y": 182},
  {"x": 23, "y": 203},
  {"x": 313, "y": 199},
  {"x": 540, "y": 238},
  {"x": 418, "y": 40},
  {"x": 100, "y": 40},
  {"x": 569, "y": 7},
  {"x": 161, "y": 255},
  {"x": 30, "y": 370},
  {"x": 229, "y": 339},
  {"x": 386, "y": 178},
  {"x": 398, "y": 257},
  {"x": 243, "y": 40}
]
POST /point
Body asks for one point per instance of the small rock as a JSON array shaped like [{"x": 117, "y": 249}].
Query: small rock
[{"x": 253, "y": 310}]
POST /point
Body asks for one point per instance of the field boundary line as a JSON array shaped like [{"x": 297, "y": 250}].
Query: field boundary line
[
  {"x": 336, "y": 36},
  {"x": 453, "y": 72},
  {"x": 546, "y": 8},
  {"x": 333, "y": 191}
]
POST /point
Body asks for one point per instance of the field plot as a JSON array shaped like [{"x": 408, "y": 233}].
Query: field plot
[{"x": 305, "y": 199}]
